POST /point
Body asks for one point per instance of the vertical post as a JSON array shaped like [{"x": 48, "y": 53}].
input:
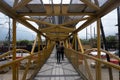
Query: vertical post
[
  {"x": 94, "y": 32},
  {"x": 14, "y": 68},
  {"x": 80, "y": 45},
  {"x": 91, "y": 32},
  {"x": 75, "y": 45},
  {"x": 38, "y": 43},
  {"x": 118, "y": 12},
  {"x": 85, "y": 60},
  {"x": 39, "y": 39},
  {"x": 66, "y": 43},
  {"x": 86, "y": 34},
  {"x": 9, "y": 36},
  {"x": 34, "y": 44},
  {"x": 98, "y": 64},
  {"x": 69, "y": 42},
  {"x": 48, "y": 43},
  {"x": 106, "y": 48},
  {"x": 75, "y": 42}
]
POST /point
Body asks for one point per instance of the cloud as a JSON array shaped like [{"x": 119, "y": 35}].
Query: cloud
[{"x": 109, "y": 21}]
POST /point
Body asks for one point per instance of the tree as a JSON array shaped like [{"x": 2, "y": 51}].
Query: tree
[
  {"x": 24, "y": 42},
  {"x": 111, "y": 42}
]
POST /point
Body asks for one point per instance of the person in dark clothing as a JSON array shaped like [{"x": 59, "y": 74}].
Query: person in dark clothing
[
  {"x": 58, "y": 52},
  {"x": 62, "y": 51}
]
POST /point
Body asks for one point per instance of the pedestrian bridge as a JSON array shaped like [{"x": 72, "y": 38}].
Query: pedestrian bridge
[
  {"x": 57, "y": 20},
  {"x": 43, "y": 66}
]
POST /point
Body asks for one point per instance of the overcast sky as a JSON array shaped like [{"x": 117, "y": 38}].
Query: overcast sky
[{"x": 109, "y": 22}]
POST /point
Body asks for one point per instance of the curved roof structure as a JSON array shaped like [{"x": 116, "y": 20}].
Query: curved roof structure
[{"x": 57, "y": 18}]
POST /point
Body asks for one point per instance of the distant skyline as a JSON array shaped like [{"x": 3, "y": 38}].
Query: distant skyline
[{"x": 109, "y": 22}]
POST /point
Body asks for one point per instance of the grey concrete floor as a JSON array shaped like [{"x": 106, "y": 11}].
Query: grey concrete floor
[{"x": 54, "y": 71}]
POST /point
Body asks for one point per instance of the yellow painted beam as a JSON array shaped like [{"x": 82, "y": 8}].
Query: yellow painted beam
[
  {"x": 21, "y": 4},
  {"x": 39, "y": 39},
  {"x": 27, "y": 69},
  {"x": 74, "y": 21},
  {"x": 66, "y": 43},
  {"x": 98, "y": 64},
  {"x": 11, "y": 13},
  {"x": 110, "y": 5},
  {"x": 56, "y": 35},
  {"x": 15, "y": 61},
  {"x": 38, "y": 21},
  {"x": 56, "y": 11},
  {"x": 57, "y": 29},
  {"x": 80, "y": 45},
  {"x": 15, "y": 3},
  {"x": 76, "y": 46},
  {"x": 34, "y": 44},
  {"x": 65, "y": 28},
  {"x": 14, "y": 67},
  {"x": 48, "y": 29},
  {"x": 91, "y": 5},
  {"x": 57, "y": 39},
  {"x": 85, "y": 60},
  {"x": 53, "y": 14}
]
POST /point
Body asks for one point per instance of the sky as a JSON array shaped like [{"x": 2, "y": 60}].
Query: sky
[
  {"x": 22, "y": 31},
  {"x": 109, "y": 22}
]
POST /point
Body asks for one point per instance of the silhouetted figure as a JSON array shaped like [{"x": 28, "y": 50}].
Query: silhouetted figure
[
  {"x": 62, "y": 51},
  {"x": 58, "y": 52}
]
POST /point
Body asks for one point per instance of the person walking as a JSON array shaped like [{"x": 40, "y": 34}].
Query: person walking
[
  {"x": 58, "y": 52},
  {"x": 62, "y": 51}
]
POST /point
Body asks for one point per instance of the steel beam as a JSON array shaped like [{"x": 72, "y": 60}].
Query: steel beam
[
  {"x": 109, "y": 6},
  {"x": 14, "y": 67},
  {"x": 91, "y": 5},
  {"x": 21, "y": 4},
  {"x": 6, "y": 9}
]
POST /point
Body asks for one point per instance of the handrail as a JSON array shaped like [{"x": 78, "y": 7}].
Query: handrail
[
  {"x": 96, "y": 59},
  {"x": 102, "y": 50},
  {"x": 72, "y": 54},
  {"x": 9, "y": 52},
  {"x": 40, "y": 59}
]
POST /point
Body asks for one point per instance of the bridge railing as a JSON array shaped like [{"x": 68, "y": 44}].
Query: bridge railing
[
  {"x": 26, "y": 64},
  {"x": 86, "y": 64}
]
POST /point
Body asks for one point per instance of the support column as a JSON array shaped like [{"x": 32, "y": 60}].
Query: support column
[
  {"x": 48, "y": 43},
  {"x": 118, "y": 12},
  {"x": 98, "y": 64},
  {"x": 66, "y": 43},
  {"x": 34, "y": 44},
  {"x": 14, "y": 68},
  {"x": 80, "y": 45},
  {"x": 72, "y": 42},
  {"x": 106, "y": 48},
  {"x": 39, "y": 41},
  {"x": 76, "y": 43}
]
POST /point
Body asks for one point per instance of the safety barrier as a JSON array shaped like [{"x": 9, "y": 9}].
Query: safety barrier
[
  {"x": 26, "y": 66},
  {"x": 86, "y": 64}
]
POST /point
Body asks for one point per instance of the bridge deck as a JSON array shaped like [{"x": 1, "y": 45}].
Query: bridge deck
[{"x": 53, "y": 71}]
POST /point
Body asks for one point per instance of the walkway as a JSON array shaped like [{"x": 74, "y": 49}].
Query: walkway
[{"x": 53, "y": 71}]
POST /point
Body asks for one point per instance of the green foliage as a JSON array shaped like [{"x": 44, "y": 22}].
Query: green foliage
[
  {"x": 84, "y": 41},
  {"x": 6, "y": 43},
  {"x": 111, "y": 38},
  {"x": 24, "y": 42},
  {"x": 111, "y": 42}
]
